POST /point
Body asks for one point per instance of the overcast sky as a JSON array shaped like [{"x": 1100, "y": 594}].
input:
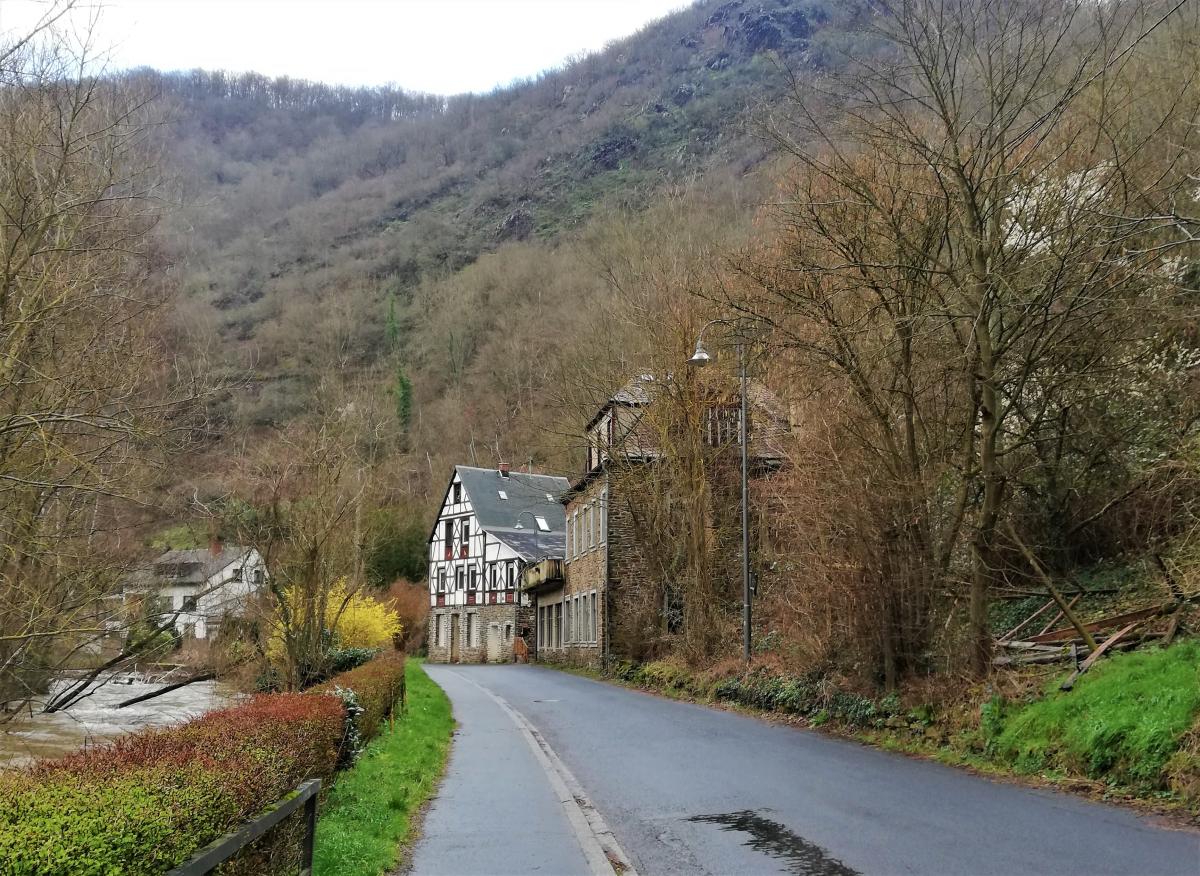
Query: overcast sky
[{"x": 440, "y": 46}]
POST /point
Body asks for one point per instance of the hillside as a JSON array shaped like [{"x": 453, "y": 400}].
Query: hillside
[{"x": 309, "y": 213}]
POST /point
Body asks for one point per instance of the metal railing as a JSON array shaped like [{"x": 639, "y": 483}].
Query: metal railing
[{"x": 221, "y": 850}]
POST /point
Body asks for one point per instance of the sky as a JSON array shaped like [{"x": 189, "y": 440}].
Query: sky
[{"x": 438, "y": 46}]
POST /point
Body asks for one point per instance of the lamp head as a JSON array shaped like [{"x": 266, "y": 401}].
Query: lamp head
[
  {"x": 701, "y": 357},
  {"x": 518, "y": 525}
]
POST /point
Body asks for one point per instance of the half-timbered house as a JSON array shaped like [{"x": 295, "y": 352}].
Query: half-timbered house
[{"x": 492, "y": 524}]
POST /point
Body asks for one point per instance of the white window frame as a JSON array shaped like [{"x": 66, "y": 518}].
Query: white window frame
[
  {"x": 604, "y": 516},
  {"x": 567, "y": 552}
]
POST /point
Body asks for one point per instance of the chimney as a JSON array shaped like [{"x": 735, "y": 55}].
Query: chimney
[
  {"x": 214, "y": 545},
  {"x": 503, "y": 469}
]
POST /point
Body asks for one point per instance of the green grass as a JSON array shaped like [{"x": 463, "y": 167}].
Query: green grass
[
  {"x": 371, "y": 808},
  {"x": 1122, "y": 722}
]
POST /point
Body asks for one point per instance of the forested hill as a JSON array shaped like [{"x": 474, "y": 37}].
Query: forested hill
[{"x": 311, "y": 213}]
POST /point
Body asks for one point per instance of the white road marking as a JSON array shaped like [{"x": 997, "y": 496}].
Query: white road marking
[{"x": 604, "y": 854}]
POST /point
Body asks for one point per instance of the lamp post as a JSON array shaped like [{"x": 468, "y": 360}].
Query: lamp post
[
  {"x": 699, "y": 359},
  {"x": 536, "y": 529}
]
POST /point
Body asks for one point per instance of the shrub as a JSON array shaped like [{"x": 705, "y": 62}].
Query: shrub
[
  {"x": 148, "y": 801},
  {"x": 145, "y": 803},
  {"x": 377, "y": 685}
]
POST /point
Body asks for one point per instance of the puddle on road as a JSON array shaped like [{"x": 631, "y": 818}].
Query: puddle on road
[{"x": 772, "y": 838}]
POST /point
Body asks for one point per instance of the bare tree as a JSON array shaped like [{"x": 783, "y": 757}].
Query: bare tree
[
  {"x": 971, "y": 242},
  {"x": 91, "y": 395}
]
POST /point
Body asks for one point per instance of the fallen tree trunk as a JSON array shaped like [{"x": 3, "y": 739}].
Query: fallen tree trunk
[{"x": 203, "y": 676}]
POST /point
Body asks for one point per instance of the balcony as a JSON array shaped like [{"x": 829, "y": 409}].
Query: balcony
[{"x": 541, "y": 574}]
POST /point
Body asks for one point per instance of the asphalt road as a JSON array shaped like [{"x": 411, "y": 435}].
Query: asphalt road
[{"x": 687, "y": 789}]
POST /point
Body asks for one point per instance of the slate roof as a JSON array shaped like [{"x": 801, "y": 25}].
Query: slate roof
[
  {"x": 203, "y": 562},
  {"x": 537, "y": 494},
  {"x": 637, "y": 392}
]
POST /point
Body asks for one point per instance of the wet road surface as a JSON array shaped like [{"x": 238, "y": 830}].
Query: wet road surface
[
  {"x": 687, "y": 789},
  {"x": 495, "y": 812}
]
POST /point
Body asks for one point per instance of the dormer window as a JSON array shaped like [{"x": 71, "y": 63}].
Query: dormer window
[
  {"x": 503, "y": 495},
  {"x": 541, "y": 523}
]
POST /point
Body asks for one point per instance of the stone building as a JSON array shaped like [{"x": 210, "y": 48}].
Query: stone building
[
  {"x": 584, "y": 603},
  {"x": 492, "y": 524}
]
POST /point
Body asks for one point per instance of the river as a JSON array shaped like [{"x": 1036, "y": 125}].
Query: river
[{"x": 96, "y": 719}]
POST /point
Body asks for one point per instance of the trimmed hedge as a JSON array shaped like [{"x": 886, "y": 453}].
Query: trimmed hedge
[
  {"x": 377, "y": 686},
  {"x": 148, "y": 801}
]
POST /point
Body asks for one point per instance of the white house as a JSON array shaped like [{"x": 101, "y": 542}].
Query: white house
[
  {"x": 202, "y": 587},
  {"x": 492, "y": 523}
]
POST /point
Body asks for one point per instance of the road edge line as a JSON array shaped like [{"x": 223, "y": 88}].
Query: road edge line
[{"x": 600, "y": 847}]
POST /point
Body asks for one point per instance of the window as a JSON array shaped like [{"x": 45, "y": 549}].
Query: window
[
  {"x": 456, "y": 494},
  {"x": 578, "y": 533},
  {"x": 593, "y": 600},
  {"x": 473, "y": 583},
  {"x": 458, "y": 578},
  {"x": 189, "y": 603},
  {"x": 591, "y": 526},
  {"x": 470, "y": 629},
  {"x": 508, "y": 632},
  {"x": 558, "y": 621},
  {"x": 448, "y": 537},
  {"x": 604, "y": 517},
  {"x": 442, "y": 581},
  {"x": 466, "y": 537},
  {"x": 258, "y": 577},
  {"x": 503, "y": 495},
  {"x": 236, "y": 577},
  {"x": 493, "y": 576},
  {"x": 512, "y": 574},
  {"x": 541, "y": 523},
  {"x": 437, "y": 630},
  {"x": 723, "y": 425},
  {"x": 567, "y": 551}
]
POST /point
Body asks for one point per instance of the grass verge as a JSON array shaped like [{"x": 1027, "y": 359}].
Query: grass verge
[
  {"x": 370, "y": 811},
  {"x": 1123, "y": 722}
]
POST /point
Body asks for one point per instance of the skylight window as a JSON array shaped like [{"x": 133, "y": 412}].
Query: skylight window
[
  {"x": 503, "y": 495},
  {"x": 549, "y": 498},
  {"x": 541, "y": 522}
]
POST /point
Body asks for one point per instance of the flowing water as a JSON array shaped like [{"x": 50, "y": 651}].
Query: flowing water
[{"x": 96, "y": 719}]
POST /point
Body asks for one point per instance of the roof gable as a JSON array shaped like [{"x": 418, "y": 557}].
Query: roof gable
[{"x": 525, "y": 497}]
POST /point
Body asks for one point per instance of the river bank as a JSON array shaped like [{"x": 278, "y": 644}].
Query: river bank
[{"x": 95, "y": 718}]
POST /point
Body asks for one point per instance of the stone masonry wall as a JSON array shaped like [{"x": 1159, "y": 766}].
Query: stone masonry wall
[{"x": 510, "y": 618}]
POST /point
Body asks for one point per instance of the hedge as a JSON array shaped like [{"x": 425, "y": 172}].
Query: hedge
[
  {"x": 377, "y": 685},
  {"x": 147, "y": 802}
]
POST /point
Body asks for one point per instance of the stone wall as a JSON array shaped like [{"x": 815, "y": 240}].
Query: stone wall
[
  {"x": 510, "y": 621},
  {"x": 585, "y": 576},
  {"x": 634, "y": 601}
]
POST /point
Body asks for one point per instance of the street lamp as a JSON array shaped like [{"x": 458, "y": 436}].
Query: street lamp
[
  {"x": 699, "y": 359},
  {"x": 536, "y": 530}
]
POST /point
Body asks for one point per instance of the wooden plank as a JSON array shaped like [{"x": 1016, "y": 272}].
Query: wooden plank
[
  {"x": 1023, "y": 624},
  {"x": 1050, "y": 624},
  {"x": 1083, "y": 631},
  {"x": 1066, "y": 634},
  {"x": 1097, "y": 654}
]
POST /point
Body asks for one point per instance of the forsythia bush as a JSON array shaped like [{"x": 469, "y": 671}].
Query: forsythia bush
[
  {"x": 364, "y": 622},
  {"x": 147, "y": 802}
]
